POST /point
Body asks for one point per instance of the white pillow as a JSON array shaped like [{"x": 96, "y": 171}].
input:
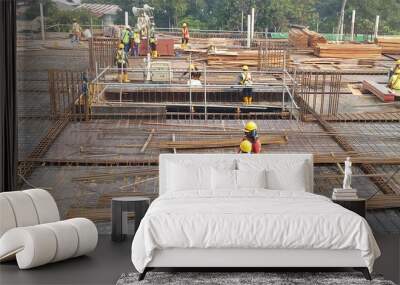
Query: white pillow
[
  {"x": 224, "y": 179},
  {"x": 183, "y": 177},
  {"x": 290, "y": 178},
  {"x": 251, "y": 179}
]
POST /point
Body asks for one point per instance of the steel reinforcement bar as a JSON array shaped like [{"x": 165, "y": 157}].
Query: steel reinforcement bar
[
  {"x": 367, "y": 168},
  {"x": 26, "y": 167},
  {"x": 153, "y": 161}
]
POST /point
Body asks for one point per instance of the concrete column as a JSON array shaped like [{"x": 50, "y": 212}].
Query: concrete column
[
  {"x": 341, "y": 31},
  {"x": 252, "y": 22},
  {"x": 42, "y": 21},
  {"x": 248, "y": 31},
  {"x": 242, "y": 21},
  {"x": 353, "y": 20},
  {"x": 376, "y": 26}
]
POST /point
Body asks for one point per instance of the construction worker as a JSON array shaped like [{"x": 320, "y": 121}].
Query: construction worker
[
  {"x": 394, "y": 82},
  {"x": 185, "y": 36},
  {"x": 126, "y": 36},
  {"x": 121, "y": 60},
  {"x": 245, "y": 80},
  {"x": 394, "y": 68},
  {"x": 251, "y": 135},
  {"x": 136, "y": 42},
  {"x": 153, "y": 46},
  {"x": 85, "y": 83},
  {"x": 245, "y": 146},
  {"x": 76, "y": 32}
]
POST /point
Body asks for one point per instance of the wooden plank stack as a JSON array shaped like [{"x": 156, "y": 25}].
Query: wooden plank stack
[
  {"x": 381, "y": 91},
  {"x": 390, "y": 45},
  {"x": 384, "y": 201},
  {"x": 222, "y": 143},
  {"x": 352, "y": 51},
  {"x": 303, "y": 38},
  {"x": 228, "y": 58},
  {"x": 238, "y": 58},
  {"x": 94, "y": 214}
]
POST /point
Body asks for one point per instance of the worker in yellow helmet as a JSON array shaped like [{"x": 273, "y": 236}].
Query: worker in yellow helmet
[
  {"x": 394, "y": 82},
  {"x": 136, "y": 42},
  {"x": 245, "y": 80},
  {"x": 126, "y": 36},
  {"x": 245, "y": 146},
  {"x": 121, "y": 61},
  {"x": 396, "y": 66},
  {"x": 76, "y": 31},
  {"x": 185, "y": 36},
  {"x": 251, "y": 135},
  {"x": 153, "y": 46}
]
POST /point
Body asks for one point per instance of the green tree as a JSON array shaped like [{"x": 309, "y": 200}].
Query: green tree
[{"x": 276, "y": 15}]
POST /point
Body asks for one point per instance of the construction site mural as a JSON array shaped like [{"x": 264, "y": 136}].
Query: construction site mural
[{"x": 104, "y": 89}]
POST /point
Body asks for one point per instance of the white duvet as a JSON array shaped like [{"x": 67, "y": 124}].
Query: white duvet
[{"x": 250, "y": 219}]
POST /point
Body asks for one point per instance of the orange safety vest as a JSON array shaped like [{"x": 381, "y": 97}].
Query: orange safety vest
[{"x": 185, "y": 33}]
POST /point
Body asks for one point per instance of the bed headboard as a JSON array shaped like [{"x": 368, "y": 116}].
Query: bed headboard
[{"x": 233, "y": 160}]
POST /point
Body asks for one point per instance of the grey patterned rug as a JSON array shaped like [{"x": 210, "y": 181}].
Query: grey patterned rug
[{"x": 243, "y": 278}]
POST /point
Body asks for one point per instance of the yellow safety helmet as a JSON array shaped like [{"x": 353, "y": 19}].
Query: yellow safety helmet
[
  {"x": 74, "y": 19},
  {"x": 121, "y": 46},
  {"x": 398, "y": 61},
  {"x": 192, "y": 67},
  {"x": 184, "y": 25},
  {"x": 397, "y": 71},
  {"x": 250, "y": 126},
  {"x": 246, "y": 146},
  {"x": 245, "y": 68}
]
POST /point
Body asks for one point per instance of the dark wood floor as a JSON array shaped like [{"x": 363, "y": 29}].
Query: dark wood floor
[
  {"x": 110, "y": 260},
  {"x": 103, "y": 266}
]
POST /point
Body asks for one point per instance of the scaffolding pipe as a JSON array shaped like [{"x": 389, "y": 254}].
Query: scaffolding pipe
[
  {"x": 190, "y": 85},
  {"x": 133, "y": 86},
  {"x": 148, "y": 67},
  {"x": 126, "y": 19},
  {"x": 284, "y": 84},
  {"x": 292, "y": 98},
  {"x": 205, "y": 92},
  {"x": 277, "y": 71},
  {"x": 99, "y": 75}
]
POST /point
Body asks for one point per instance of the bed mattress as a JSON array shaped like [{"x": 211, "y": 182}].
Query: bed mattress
[{"x": 250, "y": 219}]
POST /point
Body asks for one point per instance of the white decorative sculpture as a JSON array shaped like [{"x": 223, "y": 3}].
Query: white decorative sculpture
[{"x": 347, "y": 174}]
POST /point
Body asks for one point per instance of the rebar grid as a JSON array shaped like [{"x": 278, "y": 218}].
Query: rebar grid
[{"x": 312, "y": 89}]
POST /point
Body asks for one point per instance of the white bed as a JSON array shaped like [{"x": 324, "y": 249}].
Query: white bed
[{"x": 235, "y": 210}]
